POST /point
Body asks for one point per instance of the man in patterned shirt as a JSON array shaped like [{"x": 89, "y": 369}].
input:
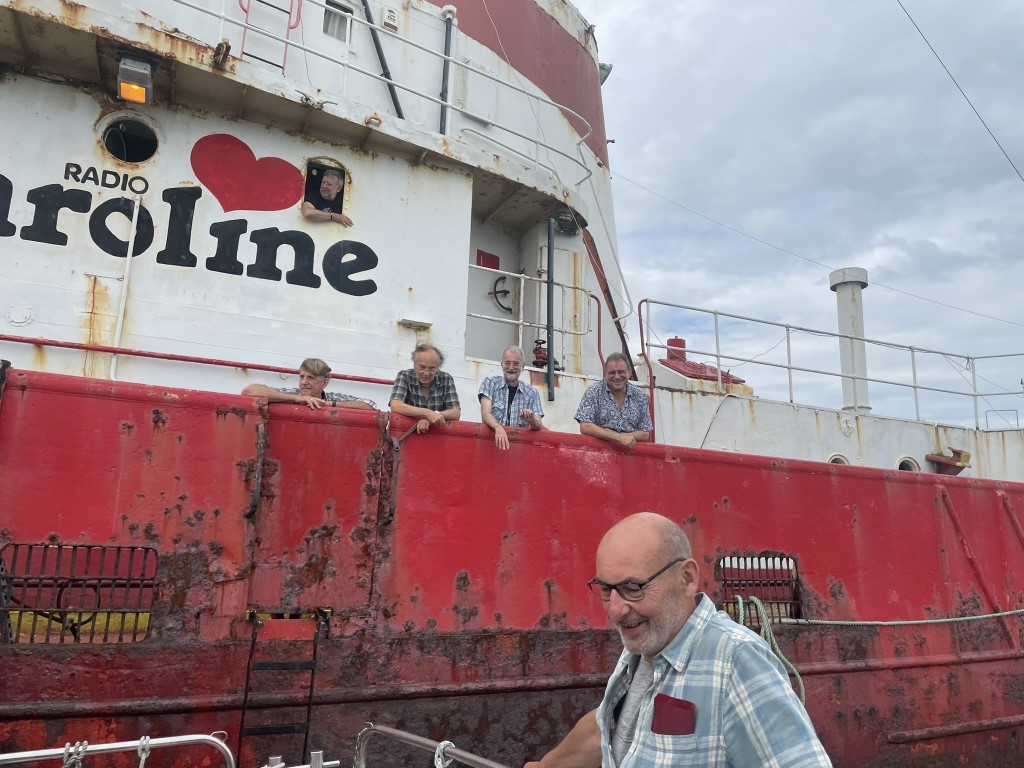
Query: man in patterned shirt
[
  {"x": 505, "y": 401},
  {"x": 692, "y": 687},
  {"x": 615, "y": 409},
  {"x": 314, "y": 374},
  {"x": 425, "y": 392}
]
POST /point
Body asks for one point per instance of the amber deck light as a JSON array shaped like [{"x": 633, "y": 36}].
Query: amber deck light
[{"x": 135, "y": 81}]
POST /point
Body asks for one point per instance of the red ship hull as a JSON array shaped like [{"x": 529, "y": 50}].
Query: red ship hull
[{"x": 452, "y": 578}]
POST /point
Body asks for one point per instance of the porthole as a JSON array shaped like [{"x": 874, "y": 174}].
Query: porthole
[
  {"x": 838, "y": 458},
  {"x": 908, "y": 464},
  {"x": 129, "y": 139}
]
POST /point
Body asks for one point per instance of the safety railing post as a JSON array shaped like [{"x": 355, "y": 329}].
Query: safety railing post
[
  {"x": 789, "y": 362},
  {"x": 718, "y": 351},
  {"x": 972, "y": 363},
  {"x": 917, "y": 394}
]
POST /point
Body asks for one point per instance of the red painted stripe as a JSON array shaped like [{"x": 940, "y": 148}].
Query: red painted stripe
[{"x": 539, "y": 48}]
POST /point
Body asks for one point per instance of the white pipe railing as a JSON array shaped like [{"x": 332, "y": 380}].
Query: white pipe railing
[
  {"x": 582, "y": 325},
  {"x": 444, "y": 751},
  {"x": 349, "y": 66},
  {"x": 74, "y": 755},
  {"x": 720, "y": 358}
]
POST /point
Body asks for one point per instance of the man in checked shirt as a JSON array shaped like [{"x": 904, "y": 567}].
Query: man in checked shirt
[
  {"x": 692, "y": 687},
  {"x": 615, "y": 409},
  {"x": 505, "y": 401},
  {"x": 425, "y": 392}
]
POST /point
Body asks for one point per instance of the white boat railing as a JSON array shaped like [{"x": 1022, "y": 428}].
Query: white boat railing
[
  {"x": 580, "y": 322},
  {"x": 536, "y": 140},
  {"x": 72, "y": 756},
  {"x": 730, "y": 341},
  {"x": 444, "y": 751}
]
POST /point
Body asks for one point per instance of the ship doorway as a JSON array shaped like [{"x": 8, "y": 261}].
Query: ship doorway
[{"x": 507, "y": 298}]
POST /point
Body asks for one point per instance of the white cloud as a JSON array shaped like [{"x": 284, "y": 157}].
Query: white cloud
[{"x": 829, "y": 130}]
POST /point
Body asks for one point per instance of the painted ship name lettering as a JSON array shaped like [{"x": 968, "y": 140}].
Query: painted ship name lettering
[{"x": 340, "y": 263}]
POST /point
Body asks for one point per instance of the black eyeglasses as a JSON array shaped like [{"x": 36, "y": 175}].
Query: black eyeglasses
[{"x": 631, "y": 591}]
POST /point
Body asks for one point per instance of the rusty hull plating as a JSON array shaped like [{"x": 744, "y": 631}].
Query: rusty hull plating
[{"x": 466, "y": 616}]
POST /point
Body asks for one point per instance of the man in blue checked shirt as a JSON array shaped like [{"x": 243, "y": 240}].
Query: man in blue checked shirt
[
  {"x": 505, "y": 401},
  {"x": 692, "y": 687}
]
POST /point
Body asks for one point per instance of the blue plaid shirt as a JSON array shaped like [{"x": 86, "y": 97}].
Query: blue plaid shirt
[
  {"x": 495, "y": 389},
  {"x": 747, "y": 715}
]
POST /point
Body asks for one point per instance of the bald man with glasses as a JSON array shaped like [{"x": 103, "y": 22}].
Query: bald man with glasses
[
  {"x": 692, "y": 687},
  {"x": 507, "y": 402}
]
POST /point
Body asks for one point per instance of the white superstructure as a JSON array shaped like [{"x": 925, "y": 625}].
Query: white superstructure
[{"x": 454, "y": 165}]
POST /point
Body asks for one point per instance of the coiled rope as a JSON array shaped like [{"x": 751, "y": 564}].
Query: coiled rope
[{"x": 769, "y": 637}]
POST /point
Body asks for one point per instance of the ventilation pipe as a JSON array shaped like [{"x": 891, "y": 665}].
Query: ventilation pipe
[
  {"x": 449, "y": 18},
  {"x": 385, "y": 70},
  {"x": 849, "y": 284}
]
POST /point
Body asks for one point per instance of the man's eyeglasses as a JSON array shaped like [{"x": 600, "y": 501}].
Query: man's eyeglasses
[
  {"x": 631, "y": 591},
  {"x": 511, "y": 364}
]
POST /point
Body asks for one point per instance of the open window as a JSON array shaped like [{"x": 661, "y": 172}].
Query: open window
[
  {"x": 325, "y": 187},
  {"x": 337, "y": 17}
]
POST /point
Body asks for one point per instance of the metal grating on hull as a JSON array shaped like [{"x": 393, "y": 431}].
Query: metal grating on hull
[
  {"x": 75, "y": 593},
  {"x": 772, "y": 579}
]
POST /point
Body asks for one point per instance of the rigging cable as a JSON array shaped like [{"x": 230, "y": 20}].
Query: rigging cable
[
  {"x": 939, "y": 58},
  {"x": 813, "y": 261}
]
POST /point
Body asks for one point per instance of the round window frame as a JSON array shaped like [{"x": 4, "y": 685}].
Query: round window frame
[
  {"x": 108, "y": 121},
  {"x": 915, "y": 465}
]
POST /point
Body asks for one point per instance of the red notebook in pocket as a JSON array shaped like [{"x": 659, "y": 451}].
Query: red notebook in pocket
[{"x": 673, "y": 717}]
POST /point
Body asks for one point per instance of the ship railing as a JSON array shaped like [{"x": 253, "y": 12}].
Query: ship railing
[
  {"x": 538, "y": 142},
  {"x": 788, "y": 360},
  {"x": 72, "y": 756},
  {"x": 578, "y": 302},
  {"x": 444, "y": 751},
  {"x": 170, "y": 357}
]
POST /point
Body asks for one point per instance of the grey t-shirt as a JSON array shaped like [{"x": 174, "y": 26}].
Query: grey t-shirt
[{"x": 625, "y": 726}]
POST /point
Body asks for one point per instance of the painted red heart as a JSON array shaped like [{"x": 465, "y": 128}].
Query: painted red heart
[{"x": 228, "y": 168}]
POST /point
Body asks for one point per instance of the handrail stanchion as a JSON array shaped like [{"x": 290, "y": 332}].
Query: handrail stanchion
[
  {"x": 789, "y": 362},
  {"x": 974, "y": 386},
  {"x": 522, "y": 304},
  {"x": 600, "y": 353},
  {"x": 718, "y": 351},
  {"x": 913, "y": 374},
  {"x": 647, "y": 360}
]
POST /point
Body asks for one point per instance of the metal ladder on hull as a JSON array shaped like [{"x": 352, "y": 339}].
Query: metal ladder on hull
[{"x": 292, "y": 666}]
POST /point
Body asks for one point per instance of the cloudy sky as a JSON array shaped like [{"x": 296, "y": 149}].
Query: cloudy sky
[{"x": 830, "y": 132}]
